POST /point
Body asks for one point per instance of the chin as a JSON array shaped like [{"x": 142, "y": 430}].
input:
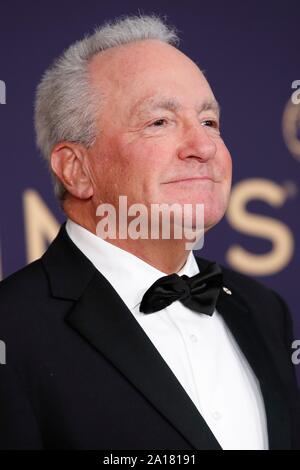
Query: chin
[{"x": 212, "y": 218}]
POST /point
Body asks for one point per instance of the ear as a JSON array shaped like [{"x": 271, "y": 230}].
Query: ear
[{"x": 67, "y": 162}]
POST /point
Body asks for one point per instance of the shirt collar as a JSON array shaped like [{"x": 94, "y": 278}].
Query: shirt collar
[{"x": 129, "y": 275}]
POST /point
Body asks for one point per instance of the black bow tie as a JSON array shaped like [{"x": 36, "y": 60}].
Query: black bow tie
[{"x": 199, "y": 293}]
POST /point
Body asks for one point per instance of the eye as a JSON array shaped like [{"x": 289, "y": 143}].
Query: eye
[
  {"x": 210, "y": 123},
  {"x": 158, "y": 122}
]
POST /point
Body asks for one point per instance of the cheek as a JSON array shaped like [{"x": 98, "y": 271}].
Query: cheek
[
  {"x": 228, "y": 164},
  {"x": 130, "y": 169},
  {"x": 224, "y": 164},
  {"x": 144, "y": 161},
  {"x": 146, "y": 153}
]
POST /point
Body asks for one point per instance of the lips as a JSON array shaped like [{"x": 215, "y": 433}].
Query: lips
[{"x": 194, "y": 178}]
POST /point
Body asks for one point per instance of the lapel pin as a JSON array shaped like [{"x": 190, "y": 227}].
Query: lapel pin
[{"x": 228, "y": 291}]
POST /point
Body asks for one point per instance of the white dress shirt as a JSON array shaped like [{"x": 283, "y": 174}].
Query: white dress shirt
[{"x": 199, "y": 349}]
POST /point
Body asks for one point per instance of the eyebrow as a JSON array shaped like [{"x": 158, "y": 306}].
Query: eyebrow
[{"x": 173, "y": 105}]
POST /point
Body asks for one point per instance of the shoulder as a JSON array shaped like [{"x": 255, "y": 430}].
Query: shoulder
[
  {"x": 24, "y": 283},
  {"x": 267, "y": 307},
  {"x": 247, "y": 286},
  {"x": 23, "y": 293},
  {"x": 27, "y": 307},
  {"x": 253, "y": 291},
  {"x": 242, "y": 284},
  {"x": 24, "y": 299}
]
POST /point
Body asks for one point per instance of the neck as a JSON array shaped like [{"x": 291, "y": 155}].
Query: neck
[{"x": 168, "y": 256}]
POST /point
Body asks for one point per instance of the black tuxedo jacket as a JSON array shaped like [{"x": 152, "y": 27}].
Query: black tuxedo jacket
[{"x": 81, "y": 373}]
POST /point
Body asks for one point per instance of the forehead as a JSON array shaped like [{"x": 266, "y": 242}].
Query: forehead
[{"x": 147, "y": 74}]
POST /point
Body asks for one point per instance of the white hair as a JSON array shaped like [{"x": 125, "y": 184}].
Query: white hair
[{"x": 66, "y": 105}]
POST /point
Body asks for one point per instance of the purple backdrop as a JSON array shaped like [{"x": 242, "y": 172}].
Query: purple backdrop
[{"x": 250, "y": 52}]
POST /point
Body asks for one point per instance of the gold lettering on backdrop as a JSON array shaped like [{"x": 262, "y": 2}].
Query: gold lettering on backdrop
[
  {"x": 259, "y": 226},
  {"x": 40, "y": 224},
  {"x": 291, "y": 125}
]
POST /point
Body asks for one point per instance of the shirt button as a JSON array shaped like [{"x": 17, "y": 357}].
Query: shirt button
[
  {"x": 194, "y": 338},
  {"x": 216, "y": 415}
]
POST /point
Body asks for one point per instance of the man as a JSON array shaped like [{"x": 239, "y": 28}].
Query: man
[{"x": 121, "y": 343}]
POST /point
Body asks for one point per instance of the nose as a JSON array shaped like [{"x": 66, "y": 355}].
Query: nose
[{"x": 197, "y": 143}]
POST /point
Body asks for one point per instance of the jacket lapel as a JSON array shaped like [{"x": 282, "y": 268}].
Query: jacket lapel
[
  {"x": 102, "y": 318},
  {"x": 242, "y": 323},
  {"x": 115, "y": 333}
]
